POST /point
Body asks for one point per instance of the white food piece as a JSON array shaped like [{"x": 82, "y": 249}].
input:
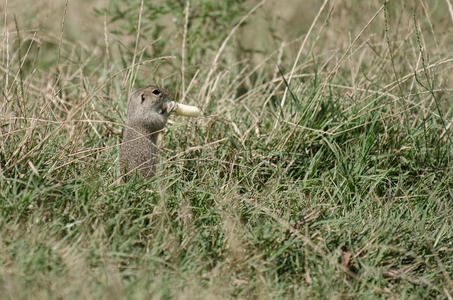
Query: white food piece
[{"x": 187, "y": 110}]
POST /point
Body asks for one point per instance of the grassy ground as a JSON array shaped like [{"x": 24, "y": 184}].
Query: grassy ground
[{"x": 321, "y": 169}]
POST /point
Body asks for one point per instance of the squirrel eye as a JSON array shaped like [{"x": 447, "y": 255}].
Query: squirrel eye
[
  {"x": 143, "y": 98},
  {"x": 156, "y": 92}
]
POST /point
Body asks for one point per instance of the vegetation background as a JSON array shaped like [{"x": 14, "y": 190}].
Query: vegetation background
[{"x": 322, "y": 167}]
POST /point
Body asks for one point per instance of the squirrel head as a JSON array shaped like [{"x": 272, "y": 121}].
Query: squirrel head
[{"x": 148, "y": 109}]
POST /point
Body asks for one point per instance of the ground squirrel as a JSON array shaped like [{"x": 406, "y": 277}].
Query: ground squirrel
[{"x": 147, "y": 113}]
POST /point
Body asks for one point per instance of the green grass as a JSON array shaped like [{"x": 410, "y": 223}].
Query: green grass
[{"x": 344, "y": 191}]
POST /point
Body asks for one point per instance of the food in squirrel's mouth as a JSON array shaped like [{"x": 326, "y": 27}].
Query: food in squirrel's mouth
[{"x": 187, "y": 110}]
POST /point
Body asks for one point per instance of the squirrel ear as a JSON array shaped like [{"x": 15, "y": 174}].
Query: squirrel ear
[{"x": 143, "y": 98}]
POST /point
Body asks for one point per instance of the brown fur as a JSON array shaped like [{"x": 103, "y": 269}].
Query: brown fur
[{"x": 147, "y": 113}]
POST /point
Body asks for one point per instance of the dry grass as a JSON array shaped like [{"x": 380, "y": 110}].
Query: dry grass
[{"x": 321, "y": 169}]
